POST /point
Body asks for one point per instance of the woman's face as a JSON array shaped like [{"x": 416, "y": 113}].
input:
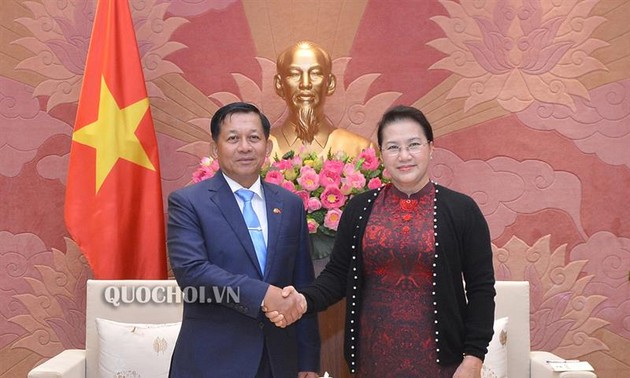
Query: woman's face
[{"x": 406, "y": 153}]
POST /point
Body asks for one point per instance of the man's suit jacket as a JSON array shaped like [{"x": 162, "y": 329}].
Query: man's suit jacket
[{"x": 209, "y": 245}]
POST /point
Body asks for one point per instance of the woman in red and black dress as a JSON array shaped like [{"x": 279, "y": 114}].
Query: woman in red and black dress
[{"x": 414, "y": 262}]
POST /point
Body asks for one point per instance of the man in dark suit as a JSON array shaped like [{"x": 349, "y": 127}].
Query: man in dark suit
[{"x": 235, "y": 231}]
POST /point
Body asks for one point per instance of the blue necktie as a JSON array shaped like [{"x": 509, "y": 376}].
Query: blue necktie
[{"x": 253, "y": 225}]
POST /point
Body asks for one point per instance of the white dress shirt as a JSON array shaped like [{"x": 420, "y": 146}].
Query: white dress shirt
[{"x": 258, "y": 201}]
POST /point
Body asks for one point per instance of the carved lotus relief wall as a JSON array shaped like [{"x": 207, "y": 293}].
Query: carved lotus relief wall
[{"x": 529, "y": 99}]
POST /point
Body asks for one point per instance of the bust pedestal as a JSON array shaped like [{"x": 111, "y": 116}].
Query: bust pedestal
[{"x": 331, "y": 327}]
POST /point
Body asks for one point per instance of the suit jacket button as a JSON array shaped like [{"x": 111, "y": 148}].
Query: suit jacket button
[{"x": 261, "y": 325}]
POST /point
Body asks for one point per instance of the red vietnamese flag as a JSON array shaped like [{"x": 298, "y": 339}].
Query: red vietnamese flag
[{"x": 113, "y": 204}]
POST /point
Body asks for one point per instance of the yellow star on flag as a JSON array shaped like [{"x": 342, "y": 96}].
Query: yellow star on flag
[{"x": 113, "y": 134}]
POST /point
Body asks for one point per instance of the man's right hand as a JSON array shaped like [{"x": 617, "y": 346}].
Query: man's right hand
[{"x": 284, "y": 306}]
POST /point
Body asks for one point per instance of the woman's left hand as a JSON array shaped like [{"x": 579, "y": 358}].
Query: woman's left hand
[{"x": 469, "y": 368}]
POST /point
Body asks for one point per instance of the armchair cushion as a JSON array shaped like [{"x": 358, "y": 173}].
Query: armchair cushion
[
  {"x": 97, "y": 306},
  {"x": 128, "y": 349},
  {"x": 495, "y": 364}
]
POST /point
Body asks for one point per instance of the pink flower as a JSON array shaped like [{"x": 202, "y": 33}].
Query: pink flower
[
  {"x": 307, "y": 169},
  {"x": 297, "y": 161},
  {"x": 370, "y": 161},
  {"x": 329, "y": 177},
  {"x": 355, "y": 180},
  {"x": 331, "y": 219},
  {"x": 313, "y": 204},
  {"x": 312, "y": 225},
  {"x": 202, "y": 173},
  {"x": 335, "y": 166},
  {"x": 282, "y": 164},
  {"x": 288, "y": 185},
  {"x": 348, "y": 169},
  {"x": 308, "y": 179},
  {"x": 207, "y": 168},
  {"x": 375, "y": 183},
  {"x": 303, "y": 194},
  {"x": 214, "y": 165},
  {"x": 346, "y": 188},
  {"x": 386, "y": 174},
  {"x": 332, "y": 198},
  {"x": 274, "y": 177}
]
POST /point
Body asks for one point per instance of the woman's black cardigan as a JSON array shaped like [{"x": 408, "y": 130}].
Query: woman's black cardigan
[{"x": 463, "y": 317}]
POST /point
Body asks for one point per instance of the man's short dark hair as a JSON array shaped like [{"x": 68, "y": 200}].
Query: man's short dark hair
[{"x": 236, "y": 107}]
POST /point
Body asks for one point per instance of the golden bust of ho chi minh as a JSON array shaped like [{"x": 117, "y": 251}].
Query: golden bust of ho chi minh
[{"x": 304, "y": 80}]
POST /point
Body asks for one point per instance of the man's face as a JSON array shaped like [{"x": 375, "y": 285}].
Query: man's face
[
  {"x": 303, "y": 82},
  {"x": 241, "y": 147}
]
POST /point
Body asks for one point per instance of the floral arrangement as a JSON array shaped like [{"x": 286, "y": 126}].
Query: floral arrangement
[{"x": 325, "y": 185}]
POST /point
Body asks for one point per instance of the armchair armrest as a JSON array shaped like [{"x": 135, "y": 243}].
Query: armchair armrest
[
  {"x": 68, "y": 364},
  {"x": 541, "y": 369}
]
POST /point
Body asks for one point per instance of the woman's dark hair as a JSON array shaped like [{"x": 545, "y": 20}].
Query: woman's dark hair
[
  {"x": 402, "y": 112},
  {"x": 236, "y": 107}
]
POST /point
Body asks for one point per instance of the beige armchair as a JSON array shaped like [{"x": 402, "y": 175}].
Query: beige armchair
[
  {"x": 512, "y": 301},
  {"x": 81, "y": 363}
]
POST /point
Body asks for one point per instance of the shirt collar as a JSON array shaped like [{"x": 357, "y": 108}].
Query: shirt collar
[{"x": 234, "y": 186}]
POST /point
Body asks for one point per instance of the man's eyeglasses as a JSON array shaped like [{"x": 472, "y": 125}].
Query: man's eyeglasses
[{"x": 412, "y": 148}]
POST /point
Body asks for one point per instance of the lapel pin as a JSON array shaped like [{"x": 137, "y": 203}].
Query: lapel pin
[{"x": 276, "y": 210}]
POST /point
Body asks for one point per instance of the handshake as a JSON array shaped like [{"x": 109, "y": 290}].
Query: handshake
[{"x": 283, "y": 307}]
